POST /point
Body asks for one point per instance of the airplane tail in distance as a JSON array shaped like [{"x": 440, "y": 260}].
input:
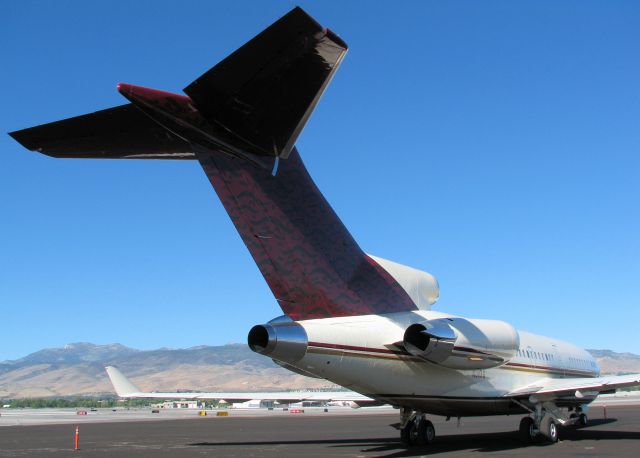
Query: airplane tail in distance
[
  {"x": 121, "y": 384},
  {"x": 240, "y": 121}
]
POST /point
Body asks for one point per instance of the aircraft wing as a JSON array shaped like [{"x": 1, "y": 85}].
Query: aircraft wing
[
  {"x": 575, "y": 387},
  {"x": 126, "y": 389}
]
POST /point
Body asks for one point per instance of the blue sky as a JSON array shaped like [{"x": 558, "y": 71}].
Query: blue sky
[{"x": 493, "y": 144}]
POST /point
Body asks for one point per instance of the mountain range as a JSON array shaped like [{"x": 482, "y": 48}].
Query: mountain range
[{"x": 77, "y": 369}]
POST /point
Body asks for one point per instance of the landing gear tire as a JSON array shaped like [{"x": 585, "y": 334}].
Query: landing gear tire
[
  {"x": 549, "y": 429},
  {"x": 583, "y": 420},
  {"x": 426, "y": 433},
  {"x": 527, "y": 430},
  {"x": 418, "y": 433},
  {"x": 405, "y": 434}
]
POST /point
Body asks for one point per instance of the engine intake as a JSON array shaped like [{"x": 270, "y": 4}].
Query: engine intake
[
  {"x": 431, "y": 340},
  {"x": 422, "y": 287}
]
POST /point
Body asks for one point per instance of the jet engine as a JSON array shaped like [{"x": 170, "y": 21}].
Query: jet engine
[
  {"x": 422, "y": 287},
  {"x": 282, "y": 339},
  {"x": 460, "y": 343}
]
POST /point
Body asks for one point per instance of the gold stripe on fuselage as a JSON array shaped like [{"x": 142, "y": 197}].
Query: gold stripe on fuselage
[{"x": 325, "y": 351}]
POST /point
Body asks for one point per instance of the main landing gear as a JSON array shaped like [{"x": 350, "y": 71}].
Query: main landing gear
[
  {"x": 415, "y": 429},
  {"x": 545, "y": 421},
  {"x": 579, "y": 418},
  {"x": 530, "y": 433}
]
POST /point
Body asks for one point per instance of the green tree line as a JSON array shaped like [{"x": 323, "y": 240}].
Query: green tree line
[{"x": 40, "y": 403}]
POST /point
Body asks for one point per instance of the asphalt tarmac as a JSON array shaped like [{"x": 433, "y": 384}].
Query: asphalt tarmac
[{"x": 317, "y": 435}]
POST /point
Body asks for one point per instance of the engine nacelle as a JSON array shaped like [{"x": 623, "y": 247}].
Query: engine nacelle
[
  {"x": 460, "y": 343},
  {"x": 284, "y": 341},
  {"x": 422, "y": 287},
  {"x": 432, "y": 340}
]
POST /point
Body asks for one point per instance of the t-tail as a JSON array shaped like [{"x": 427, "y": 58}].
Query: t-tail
[{"x": 240, "y": 120}]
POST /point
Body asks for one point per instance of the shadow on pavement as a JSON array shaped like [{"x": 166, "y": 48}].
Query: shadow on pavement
[{"x": 479, "y": 443}]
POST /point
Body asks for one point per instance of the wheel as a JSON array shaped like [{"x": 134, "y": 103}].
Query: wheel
[
  {"x": 426, "y": 432},
  {"x": 405, "y": 434},
  {"x": 527, "y": 430},
  {"x": 551, "y": 431},
  {"x": 415, "y": 438},
  {"x": 583, "y": 420},
  {"x": 419, "y": 433}
]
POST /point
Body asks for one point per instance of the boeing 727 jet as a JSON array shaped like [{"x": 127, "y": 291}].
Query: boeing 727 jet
[{"x": 354, "y": 319}]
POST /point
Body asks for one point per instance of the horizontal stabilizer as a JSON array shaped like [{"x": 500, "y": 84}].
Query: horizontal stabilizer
[
  {"x": 122, "y": 132},
  {"x": 263, "y": 93}
]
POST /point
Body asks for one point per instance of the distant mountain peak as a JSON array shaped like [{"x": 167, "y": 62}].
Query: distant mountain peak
[
  {"x": 613, "y": 354},
  {"x": 91, "y": 346},
  {"x": 74, "y": 352}
]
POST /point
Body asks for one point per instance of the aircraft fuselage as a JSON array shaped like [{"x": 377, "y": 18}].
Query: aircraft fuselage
[{"x": 365, "y": 354}]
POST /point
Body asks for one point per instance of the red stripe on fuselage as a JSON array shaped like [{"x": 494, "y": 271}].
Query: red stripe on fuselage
[
  {"x": 357, "y": 348},
  {"x": 386, "y": 351}
]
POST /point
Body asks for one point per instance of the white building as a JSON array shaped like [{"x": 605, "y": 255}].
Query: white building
[
  {"x": 252, "y": 404},
  {"x": 179, "y": 405}
]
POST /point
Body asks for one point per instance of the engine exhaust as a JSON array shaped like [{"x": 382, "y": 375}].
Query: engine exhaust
[{"x": 285, "y": 342}]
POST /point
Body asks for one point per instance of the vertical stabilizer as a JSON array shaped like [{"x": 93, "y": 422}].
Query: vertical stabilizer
[{"x": 123, "y": 386}]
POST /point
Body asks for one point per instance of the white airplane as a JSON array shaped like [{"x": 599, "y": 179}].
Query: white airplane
[
  {"x": 124, "y": 388},
  {"x": 357, "y": 320}
]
